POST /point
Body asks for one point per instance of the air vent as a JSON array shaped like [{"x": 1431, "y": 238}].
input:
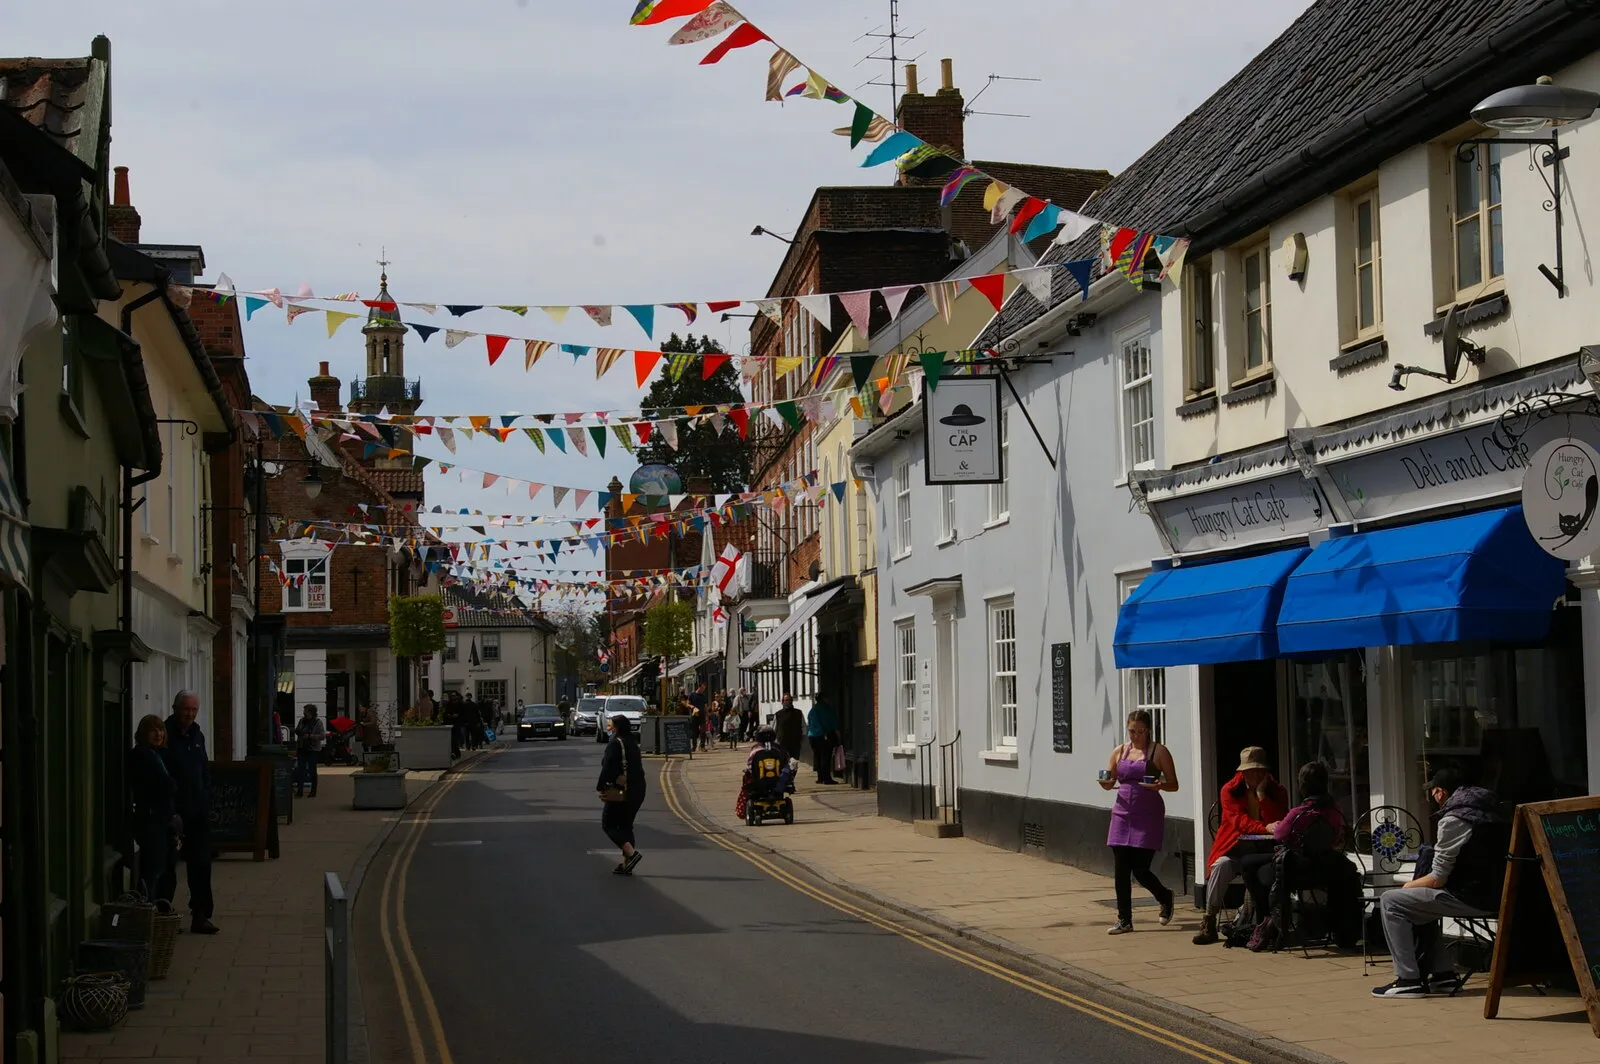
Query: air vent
[{"x": 1033, "y": 835}]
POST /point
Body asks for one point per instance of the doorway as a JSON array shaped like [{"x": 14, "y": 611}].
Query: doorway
[{"x": 1245, "y": 713}]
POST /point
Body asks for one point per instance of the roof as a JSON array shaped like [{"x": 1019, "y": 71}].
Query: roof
[
  {"x": 384, "y": 317},
  {"x": 1347, "y": 85},
  {"x": 478, "y": 611},
  {"x": 65, "y": 98},
  {"x": 397, "y": 481}
]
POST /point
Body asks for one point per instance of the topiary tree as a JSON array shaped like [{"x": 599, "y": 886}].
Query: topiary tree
[{"x": 416, "y": 627}]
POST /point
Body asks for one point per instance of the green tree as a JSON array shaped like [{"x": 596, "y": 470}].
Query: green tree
[
  {"x": 579, "y": 637},
  {"x": 416, "y": 627},
  {"x": 722, "y": 461},
  {"x": 669, "y": 632}
]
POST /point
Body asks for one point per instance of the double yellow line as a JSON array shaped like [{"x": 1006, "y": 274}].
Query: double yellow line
[
  {"x": 392, "y": 927},
  {"x": 1132, "y": 1024}
]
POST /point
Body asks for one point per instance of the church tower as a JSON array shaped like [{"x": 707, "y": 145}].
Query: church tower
[{"x": 386, "y": 385}]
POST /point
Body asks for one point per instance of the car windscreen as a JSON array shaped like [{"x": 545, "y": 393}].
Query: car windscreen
[
  {"x": 529, "y": 712},
  {"x": 625, "y": 705},
  {"x": 590, "y": 705}
]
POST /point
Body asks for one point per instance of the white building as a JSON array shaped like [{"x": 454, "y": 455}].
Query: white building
[{"x": 493, "y": 653}]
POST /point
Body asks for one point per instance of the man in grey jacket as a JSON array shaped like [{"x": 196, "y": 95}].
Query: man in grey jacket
[{"x": 1464, "y": 880}]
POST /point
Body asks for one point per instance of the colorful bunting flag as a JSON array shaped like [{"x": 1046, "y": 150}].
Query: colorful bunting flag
[
  {"x": 709, "y": 364},
  {"x": 496, "y": 346},
  {"x": 644, "y": 364},
  {"x": 645, "y": 315},
  {"x": 896, "y": 145},
  {"x": 820, "y": 308},
  {"x": 600, "y": 315},
  {"x": 690, "y": 311},
  {"x": 859, "y": 306},
  {"x": 452, "y": 337},
  {"x": 650, "y": 12},
  {"x": 335, "y": 319},
  {"x": 533, "y": 351},
  {"x": 424, "y": 331},
  {"x": 779, "y": 67},
  {"x": 557, "y": 314},
  {"x": 714, "y": 21},
  {"x": 992, "y": 286}
]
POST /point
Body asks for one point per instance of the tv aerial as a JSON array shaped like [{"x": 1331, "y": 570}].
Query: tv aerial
[
  {"x": 889, "y": 52},
  {"x": 970, "y": 110}
]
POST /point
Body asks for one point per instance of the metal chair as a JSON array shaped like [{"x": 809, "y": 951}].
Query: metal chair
[{"x": 1387, "y": 838}]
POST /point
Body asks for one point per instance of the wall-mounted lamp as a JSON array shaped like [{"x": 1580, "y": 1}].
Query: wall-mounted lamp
[
  {"x": 762, "y": 230},
  {"x": 312, "y": 483}
]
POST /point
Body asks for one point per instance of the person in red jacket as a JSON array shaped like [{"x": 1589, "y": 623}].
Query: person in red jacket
[{"x": 1252, "y": 804}]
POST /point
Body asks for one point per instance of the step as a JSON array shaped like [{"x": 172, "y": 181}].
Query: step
[{"x": 937, "y": 829}]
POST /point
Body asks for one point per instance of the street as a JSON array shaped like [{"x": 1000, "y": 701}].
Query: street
[{"x": 497, "y": 908}]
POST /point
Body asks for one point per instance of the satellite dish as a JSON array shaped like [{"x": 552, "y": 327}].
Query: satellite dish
[
  {"x": 1455, "y": 345},
  {"x": 815, "y": 570}
]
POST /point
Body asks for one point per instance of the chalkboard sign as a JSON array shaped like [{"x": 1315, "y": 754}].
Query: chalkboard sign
[
  {"x": 1555, "y": 911},
  {"x": 241, "y": 817},
  {"x": 675, "y": 737},
  {"x": 1061, "y": 697},
  {"x": 282, "y": 780}
]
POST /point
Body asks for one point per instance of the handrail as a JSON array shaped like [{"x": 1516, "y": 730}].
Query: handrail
[
  {"x": 335, "y": 970},
  {"x": 950, "y": 777},
  {"x": 928, "y": 803}
]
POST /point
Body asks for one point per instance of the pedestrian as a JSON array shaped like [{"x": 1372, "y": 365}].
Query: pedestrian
[
  {"x": 790, "y": 725},
  {"x": 371, "y": 734},
  {"x": 452, "y": 717},
  {"x": 425, "y": 707},
  {"x": 187, "y": 760},
  {"x": 697, "y": 723},
  {"x": 1138, "y": 770},
  {"x": 621, "y": 788},
  {"x": 309, "y": 736},
  {"x": 155, "y": 804},
  {"x": 822, "y": 729},
  {"x": 732, "y": 727},
  {"x": 751, "y": 712}
]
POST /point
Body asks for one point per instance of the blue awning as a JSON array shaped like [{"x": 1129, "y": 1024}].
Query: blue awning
[
  {"x": 1461, "y": 579},
  {"x": 1204, "y": 614}
]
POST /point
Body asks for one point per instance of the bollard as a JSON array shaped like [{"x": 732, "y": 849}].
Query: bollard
[{"x": 336, "y": 969}]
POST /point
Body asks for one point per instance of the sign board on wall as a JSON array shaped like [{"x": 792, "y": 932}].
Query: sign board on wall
[
  {"x": 1559, "y": 497},
  {"x": 1462, "y": 466},
  {"x": 961, "y": 431},
  {"x": 1261, "y": 511},
  {"x": 1061, "y": 697},
  {"x": 925, "y": 704}
]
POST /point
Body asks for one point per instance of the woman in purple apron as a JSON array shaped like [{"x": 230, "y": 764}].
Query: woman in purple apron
[{"x": 1139, "y": 771}]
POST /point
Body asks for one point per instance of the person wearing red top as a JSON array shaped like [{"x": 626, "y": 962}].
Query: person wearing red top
[{"x": 1252, "y": 804}]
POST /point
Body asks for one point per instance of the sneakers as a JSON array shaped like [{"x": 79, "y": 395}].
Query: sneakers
[
  {"x": 628, "y": 865},
  {"x": 1166, "y": 911},
  {"x": 1208, "y": 931},
  {"x": 1120, "y": 928},
  {"x": 1445, "y": 983},
  {"x": 1401, "y": 988}
]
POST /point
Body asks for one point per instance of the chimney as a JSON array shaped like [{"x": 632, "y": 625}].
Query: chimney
[
  {"x": 121, "y": 218},
  {"x": 324, "y": 389},
  {"x": 937, "y": 119}
]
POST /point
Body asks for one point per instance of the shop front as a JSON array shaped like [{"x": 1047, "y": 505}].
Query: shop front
[{"x": 1372, "y": 598}]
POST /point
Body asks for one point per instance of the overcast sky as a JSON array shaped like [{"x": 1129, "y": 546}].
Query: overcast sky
[{"x": 535, "y": 152}]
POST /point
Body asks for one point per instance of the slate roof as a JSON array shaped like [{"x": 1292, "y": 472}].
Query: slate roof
[
  {"x": 1348, "y": 84},
  {"x": 62, "y": 97},
  {"x": 474, "y": 610}
]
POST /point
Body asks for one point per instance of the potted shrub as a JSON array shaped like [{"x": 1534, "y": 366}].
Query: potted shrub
[
  {"x": 381, "y": 783},
  {"x": 423, "y": 743},
  {"x": 416, "y": 627}
]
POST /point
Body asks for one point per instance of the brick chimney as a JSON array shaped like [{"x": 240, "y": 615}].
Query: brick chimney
[
  {"x": 122, "y": 219},
  {"x": 324, "y": 389},
  {"x": 937, "y": 119}
]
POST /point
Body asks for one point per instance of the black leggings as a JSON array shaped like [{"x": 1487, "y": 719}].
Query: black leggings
[
  {"x": 1133, "y": 862},
  {"x": 616, "y": 819}
]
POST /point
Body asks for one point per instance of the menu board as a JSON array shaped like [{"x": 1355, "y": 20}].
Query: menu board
[
  {"x": 1061, "y": 697},
  {"x": 1550, "y": 911},
  {"x": 675, "y": 737},
  {"x": 240, "y": 817}
]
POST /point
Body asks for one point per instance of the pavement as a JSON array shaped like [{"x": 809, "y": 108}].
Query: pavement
[
  {"x": 254, "y": 992},
  {"x": 513, "y": 941},
  {"x": 1316, "y": 1007}
]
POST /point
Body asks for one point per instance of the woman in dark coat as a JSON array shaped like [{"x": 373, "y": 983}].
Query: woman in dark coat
[
  {"x": 622, "y": 766},
  {"x": 154, "y": 794}
]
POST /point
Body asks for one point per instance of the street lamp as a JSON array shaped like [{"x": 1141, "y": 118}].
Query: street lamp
[
  {"x": 762, "y": 230},
  {"x": 312, "y": 482}
]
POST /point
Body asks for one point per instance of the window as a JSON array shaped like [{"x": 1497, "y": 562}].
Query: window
[
  {"x": 1000, "y": 494},
  {"x": 305, "y": 586},
  {"x": 1368, "y": 302},
  {"x": 905, "y": 640},
  {"x": 1255, "y": 268},
  {"x": 452, "y": 647},
  {"x": 1146, "y": 689},
  {"x": 1328, "y": 723},
  {"x": 902, "y": 508},
  {"x": 1003, "y": 664},
  {"x": 491, "y": 646},
  {"x": 1138, "y": 405},
  {"x": 1198, "y": 330},
  {"x": 1479, "y": 240},
  {"x": 947, "y": 513}
]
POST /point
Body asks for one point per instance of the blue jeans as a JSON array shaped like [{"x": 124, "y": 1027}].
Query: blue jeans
[{"x": 305, "y": 770}]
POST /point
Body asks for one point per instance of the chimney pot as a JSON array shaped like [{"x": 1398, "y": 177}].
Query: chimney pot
[
  {"x": 911, "y": 79},
  {"x": 322, "y": 369},
  {"x": 947, "y": 75},
  {"x": 120, "y": 193}
]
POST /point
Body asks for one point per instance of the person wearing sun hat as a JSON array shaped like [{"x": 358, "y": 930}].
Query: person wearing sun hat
[{"x": 1252, "y": 803}]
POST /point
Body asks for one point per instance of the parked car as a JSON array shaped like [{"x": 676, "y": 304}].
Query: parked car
[
  {"x": 586, "y": 717},
  {"x": 630, "y": 706},
  {"x": 541, "y": 722}
]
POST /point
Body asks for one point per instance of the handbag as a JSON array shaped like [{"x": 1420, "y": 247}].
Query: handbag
[
  {"x": 838, "y": 759},
  {"x": 618, "y": 791}
]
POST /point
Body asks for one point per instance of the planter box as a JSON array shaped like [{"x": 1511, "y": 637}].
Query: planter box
[
  {"x": 379, "y": 790},
  {"x": 423, "y": 749}
]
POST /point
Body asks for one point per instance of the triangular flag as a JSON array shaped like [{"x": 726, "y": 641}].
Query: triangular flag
[
  {"x": 1073, "y": 226},
  {"x": 820, "y": 308},
  {"x": 771, "y": 309},
  {"x": 898, "y": 144},
  {"x": 606, "y": 358},
  {"x": 253, "y": 304},
  {"x": 895, "y": 298},
  {"x": 1082, "y": 271},
  {"x": 956, "y": 182},
  {"x": 461, "y": 309},
  {"x": 709, "y": 364},
  {"x": 741, "y": 420},
  {"x": 1037, "y": 282},
  {"x": 336, "y": 318},
  {"x": 1031, "y": 207},
  {"x": 784, "y": 364},
  {"x": 790, "y": 412},
  {"x": 861, "y": 123},
  {"x": 645, "y": 315},
  {"x": 557, "y": 314},
  {"x": 600, "y": 315},
  {"x": 558, "y": 438},
  {"x": 690, "y": 311},
  {"x": 649, "y": 12},
  {"x": 1043, "y": 222},
  {"x": 448, "y": 438},
  {"x": 598, "y": 435},
  {"x": 538, "y": 439},
  {"x": 714, "y": 21},
  {"x": 520, "y": 312},
  {"x": 932, "y": 367},
  {"x": 669, "y": 432},
  {"x": 576, "y": 436},
  {"x": 859, "y": 306},
  {"x": 424, "y": 331},
  {"x": 779, "y": 67},
  {"x": 533, "y": 349},
  {"x": 861, "y": 369},
  {"x": 452, "y": 337},
  {"x": 293, "y": 311},
  {"x": 943, "y": 295},
  {"x": 743, "y": 36},
  {"x": 496, "y": 346},
  {"x": 1008, "y": 198},
  {"x": 644, "y": 364},
  {"x": 992, "y": 286}
]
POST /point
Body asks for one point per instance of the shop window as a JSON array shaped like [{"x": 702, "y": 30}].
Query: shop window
[
  {"x": 1003, "y": 666},
  {"x": 1329, "y": 724},
  {"x": 1146, "y": 689},
  {"x": 490, "y": 646},
  {"x": 1479, "y": 239},
  {"x": 905, "y": 640}
]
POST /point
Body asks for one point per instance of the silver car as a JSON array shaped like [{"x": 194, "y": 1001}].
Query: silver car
[
  {"x": 630, "y": 706},
  {"x": 586, "y": 717}
]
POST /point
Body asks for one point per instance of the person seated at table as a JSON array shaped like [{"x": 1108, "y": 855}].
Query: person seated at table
[
  {"x": 1309, "y": 848},
  {"x": 1461, "y": 876},
  {"x": 1252, "y": 804}
]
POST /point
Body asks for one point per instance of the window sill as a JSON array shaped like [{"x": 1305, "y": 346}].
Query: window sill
[
  {"x": 945, "y": 541},
  {"x": 1003, "y": 519},
  {"x": 73, "y": 416},
  {"x": 1247, "y": 391},
  {"x": 903, "y": 751},
  {"x": 1471, "y": 311},
  {"x": 1203, "y": 404},
  {"x": 148, "y": 540},
  {"x": 902, "y": 556},
  {"x": 1361, "y": 352},
  {"x": 174, "y": 559},
  {"x": 999, "y": 757}
]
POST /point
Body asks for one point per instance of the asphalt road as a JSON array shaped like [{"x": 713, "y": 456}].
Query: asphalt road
[{"x": 531, "y": 950}]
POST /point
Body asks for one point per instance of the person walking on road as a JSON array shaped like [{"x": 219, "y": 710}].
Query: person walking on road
[
  {"x": 187, "y": 760},
  {"x": 155, "y": 808},
  {"x": 1139, "y": 770},
  {"x": 790, "y": 724},
  {"x": 621, "y": 770},
  {"x": 822, "y": 728},
  {"x": 309, "y": 736}
]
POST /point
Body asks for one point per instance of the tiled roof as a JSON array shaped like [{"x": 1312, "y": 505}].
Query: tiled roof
[
  {"x": 479, "y": 611},
  {"x": 1348, "y": 84},
  {"x": 62, "y": 97},
  {"x": 397, "y": 481}
]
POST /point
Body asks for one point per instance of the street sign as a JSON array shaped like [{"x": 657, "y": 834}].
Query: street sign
[
  {"x": 961, "y": 431},
  {"x": 1559, "y": 497}
]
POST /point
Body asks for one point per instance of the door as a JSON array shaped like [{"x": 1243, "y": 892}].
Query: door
[{"x": 1245, "y": 697}]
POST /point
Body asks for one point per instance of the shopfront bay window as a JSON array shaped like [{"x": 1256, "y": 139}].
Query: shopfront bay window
[{"x": 1328, "y": 723}]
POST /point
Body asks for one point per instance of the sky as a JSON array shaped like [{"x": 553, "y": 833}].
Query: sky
[{"x": 529, "y": 152}]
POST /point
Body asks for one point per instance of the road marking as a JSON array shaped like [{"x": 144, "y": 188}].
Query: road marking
[
  {"x": 458, "y": 842},
  {"x": 1104, "y": 1013}
]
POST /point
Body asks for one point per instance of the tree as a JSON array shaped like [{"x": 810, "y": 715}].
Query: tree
[
  {"x": 722, "y": 461},
  {"x": 416, "y": 627},
  {"x": 669, "y": 632},
  {"x": 580, "y": 638}
]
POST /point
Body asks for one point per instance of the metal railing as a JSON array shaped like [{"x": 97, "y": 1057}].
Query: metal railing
[
  {"x": 950, "y": 781},
  {"x": 336, "y": 969},
  {"x": 927, "y": 796},
  {"x": 386, "y": 389}
]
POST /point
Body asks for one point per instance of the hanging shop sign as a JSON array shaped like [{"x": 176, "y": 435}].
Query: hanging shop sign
[
  {"x": 1283, "y": 507},
  {"x": 961, "y": 430},
  {"x": 1559, "y": 498},
  {"x": 1459, "y": 467}
]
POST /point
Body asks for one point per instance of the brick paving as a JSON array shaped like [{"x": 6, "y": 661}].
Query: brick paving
[
  {"x": 255, "y": 992},
  {"x": 1320, "y": 1005}
]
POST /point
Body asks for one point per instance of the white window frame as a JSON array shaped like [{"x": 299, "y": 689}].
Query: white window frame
[
  {"x": 905, "y": 645},
  {"x": 1486, "y": 214},
  {"x": 1002, "y": 613},
  {"x": 1262, "y": 254},
  {"x": 1199, "y": 332},
  {"x": 1362, "y": 265},
  {"x": 947, "y": 513},
  {"x": 452, "y": 647},
  {"x": 1136, "y": 400},
  {"x": 314, "y": 559},
  {"x": 489, "y": 641},
  {"x": 1000, "y": 491},
  {"x": 902, "y": 508},
  {"x": 1143, "y": 688}
]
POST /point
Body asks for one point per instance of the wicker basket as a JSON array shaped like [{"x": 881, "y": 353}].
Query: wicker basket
[
  {"x": 128, "y": 919},
  {"x": 94, "y": 1001},
  {"x": 163, "y": 939},
  {"x": 110, "y": 955}
]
